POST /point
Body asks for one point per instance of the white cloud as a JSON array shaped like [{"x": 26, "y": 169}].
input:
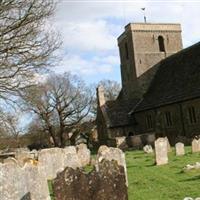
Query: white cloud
[
  {"x": 84, "y": 66},
  {"x": 87, "y": 36}
]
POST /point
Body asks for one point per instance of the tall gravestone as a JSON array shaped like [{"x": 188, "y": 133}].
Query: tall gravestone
[
  {"x": 161, "y": 151},
  {"x": 180, "y": 150},
  {"x": 196, "y": 145}
]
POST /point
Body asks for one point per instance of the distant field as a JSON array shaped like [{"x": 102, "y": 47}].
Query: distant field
[{"x": 150, "y": 182}]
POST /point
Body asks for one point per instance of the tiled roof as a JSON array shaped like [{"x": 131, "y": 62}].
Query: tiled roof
[
  {"x": 117, "y": 112},
  {"x": 177, "y": 79}
]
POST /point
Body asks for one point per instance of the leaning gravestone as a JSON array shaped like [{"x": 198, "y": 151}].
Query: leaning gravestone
[
  {"x": 161, "y": 151},
  {"x": 180, "y": 149},
  {"x": 195, "y": 145},
  {"x": 106, "y": 181}
]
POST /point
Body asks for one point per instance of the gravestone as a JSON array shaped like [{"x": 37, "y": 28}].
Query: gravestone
[
  {"x": 148, "y": 149},
  {"x": 121, "y": 142},
  {"x": 196, "y": 145},
  {"x": 108, "y": 182},
  {"x": 36, "y": 182},
  {"x": 51, "y": 161},
  {"x": 71, "y": 158},
  {"x": 161, "y": 150},
  {"x": 180, "y": 149},
  {"x": 83, "y": 154},
  {"x": 110, "y": 153},
  {"x": 12, "y": 182}
]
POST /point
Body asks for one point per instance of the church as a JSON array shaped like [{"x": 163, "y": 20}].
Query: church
[{"x": 160, "y": 93}]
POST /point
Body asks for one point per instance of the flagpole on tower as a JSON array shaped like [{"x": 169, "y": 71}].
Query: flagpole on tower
[{"x": 145, "y": 19}]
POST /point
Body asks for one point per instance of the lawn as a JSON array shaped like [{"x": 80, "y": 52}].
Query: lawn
[{"x": 168, "y": 182}]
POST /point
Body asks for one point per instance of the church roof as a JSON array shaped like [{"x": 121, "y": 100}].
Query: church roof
[
  {"x": 117, "y": 112},
  {"x": 177, "y": 80}
]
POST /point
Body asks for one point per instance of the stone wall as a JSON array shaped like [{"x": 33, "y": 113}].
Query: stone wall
[{"x": 181, "y": 130}]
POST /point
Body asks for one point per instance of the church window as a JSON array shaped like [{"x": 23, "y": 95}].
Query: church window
[
  {"x": 126, "y": 51},
  {"x": 149, "y": 122},
  {"x": 168, "y": 119},
  {"x": 192, "y": 115},
  {"x": 161, "y": 43}
]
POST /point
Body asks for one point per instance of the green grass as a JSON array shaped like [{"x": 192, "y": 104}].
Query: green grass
[
  {"x": 167, "y": 182},
  {"x": 51, "y": 190}
]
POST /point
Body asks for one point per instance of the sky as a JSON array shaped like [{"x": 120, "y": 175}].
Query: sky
[{"x": 89, "y": 31}]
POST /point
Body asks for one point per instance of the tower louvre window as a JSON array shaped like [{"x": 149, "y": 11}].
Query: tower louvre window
[
  {"x": 126, "y": 51},
  {"x": 161, "y": 43}
]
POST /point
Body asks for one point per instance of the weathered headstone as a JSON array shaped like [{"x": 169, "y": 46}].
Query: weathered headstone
[
  {"x": 83, "y": 154},
  {"x": 196, "y": 145},
  {"x": 180, "y": 149},
  {"x": 36, "y": 182},
  {"x": 121, "y": 142},
  {"x": 161, "y": 151},
  {"x": 106, "y": 183},
  {"x": 51, "y": 161},
  {"x": 12, "y": 182},
  {"x": 110, "y": 153},
  {"x": 71, "y": 158},
  {"x": 148, "y": 149}
]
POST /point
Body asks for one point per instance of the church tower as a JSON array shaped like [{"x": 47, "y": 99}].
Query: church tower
[{"x": 141, "y": 46}]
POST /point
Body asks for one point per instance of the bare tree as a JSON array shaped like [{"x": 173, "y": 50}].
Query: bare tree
[
  {"x": 61, "y": 104},
  {"x": 25, "y": 45},
  {"x": 111, "y": 88},
  {"x": 10, "y": 125}
]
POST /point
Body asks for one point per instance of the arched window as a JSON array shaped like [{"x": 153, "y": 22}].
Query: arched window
[{"x": 161, "y": 43}]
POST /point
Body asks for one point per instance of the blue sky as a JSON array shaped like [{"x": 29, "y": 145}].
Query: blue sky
[{"x": 89, "y": 30}]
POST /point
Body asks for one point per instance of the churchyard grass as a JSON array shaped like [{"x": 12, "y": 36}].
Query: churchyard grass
[{"x": 167, "y": 182}]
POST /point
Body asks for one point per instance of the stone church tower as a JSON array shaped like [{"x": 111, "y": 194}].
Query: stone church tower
[{"x": 141, "y": 46}]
